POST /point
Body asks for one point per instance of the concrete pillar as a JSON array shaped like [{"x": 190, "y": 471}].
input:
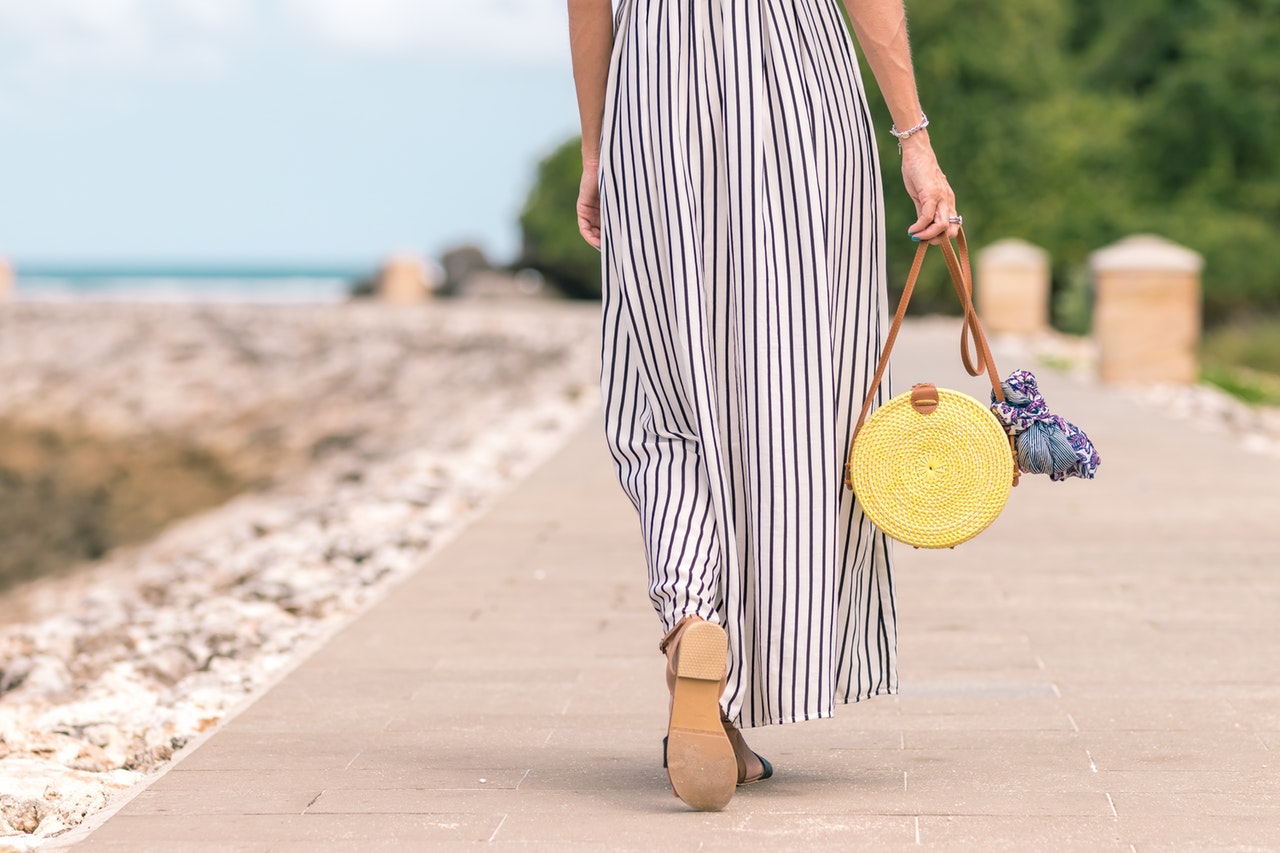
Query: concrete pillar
[
  {"x": 1012, "y": 287},
  {"x": 6, "y": 281},
  {"x": 1146, "y": 314},
  {"x": 403, "y": 281}
]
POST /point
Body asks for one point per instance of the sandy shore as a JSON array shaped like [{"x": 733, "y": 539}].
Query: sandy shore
[{"x": 368, "y": 433}]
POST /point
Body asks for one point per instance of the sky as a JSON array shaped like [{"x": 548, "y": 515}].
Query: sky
[{"x": 294, "y": 131}]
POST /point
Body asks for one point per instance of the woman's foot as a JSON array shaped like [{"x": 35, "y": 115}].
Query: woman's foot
[
  {"x": 701, "y": 762},
  {"x": 752, "y": 766}
]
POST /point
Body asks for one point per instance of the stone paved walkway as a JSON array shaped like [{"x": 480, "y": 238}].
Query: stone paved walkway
[{"x": 1099, "y": 671}]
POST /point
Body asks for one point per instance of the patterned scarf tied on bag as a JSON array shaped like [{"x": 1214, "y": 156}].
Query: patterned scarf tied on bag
[{"x": 1046, "y": 443}]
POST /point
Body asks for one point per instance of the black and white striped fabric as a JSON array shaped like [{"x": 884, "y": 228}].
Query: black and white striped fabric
[{"x": 743, "y": 304}]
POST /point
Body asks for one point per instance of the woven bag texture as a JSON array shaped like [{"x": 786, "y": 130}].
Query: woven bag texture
[{"x": 935, "y": 480}]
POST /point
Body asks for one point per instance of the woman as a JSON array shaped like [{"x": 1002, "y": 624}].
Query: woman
[{"x": 731, "y": 180}]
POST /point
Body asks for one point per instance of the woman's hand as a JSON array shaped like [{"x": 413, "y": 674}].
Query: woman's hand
[
  {"x": 928, "y": 188},
  {"x": 589, "y": 203}
]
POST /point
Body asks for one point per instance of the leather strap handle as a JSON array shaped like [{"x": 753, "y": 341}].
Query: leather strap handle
[{"x": 981, "y": 361}]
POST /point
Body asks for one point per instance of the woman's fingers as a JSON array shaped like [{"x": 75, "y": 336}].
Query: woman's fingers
[
  {"x": 589, "y": 207},
  {"x": 935, "y": 201},
  {"x": 923, "y": 227},
  {"x": 946, "y": 212},
  {"x": 589, "y": 232},
  {"x": 929, "y": 228},
  {"x": 936, "y": 222}
]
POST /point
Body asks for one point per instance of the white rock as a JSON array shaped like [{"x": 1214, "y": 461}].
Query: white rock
[
  {"x": 38, "y": 678},
  {"x": 384, "y": 433}
]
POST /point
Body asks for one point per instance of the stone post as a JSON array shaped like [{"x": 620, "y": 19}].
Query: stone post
[
  {"x": 403, "y": 281},
  {"x": 6, "y": 281},
  {"x": 1146, "y": 314},
  {"x": 1013, "y": 287}
]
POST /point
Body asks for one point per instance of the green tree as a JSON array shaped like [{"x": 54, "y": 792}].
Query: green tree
[
  {"x": 549, "y": 226},
  {"x": 1069, "y": 123},
  {"x": 1020, "y": 143},
  {"x": 1073, "y": 124},
  {"x": 1204, "y": 78}
]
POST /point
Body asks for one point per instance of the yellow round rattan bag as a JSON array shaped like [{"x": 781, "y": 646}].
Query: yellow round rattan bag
[{"x": 932, "y": 480}]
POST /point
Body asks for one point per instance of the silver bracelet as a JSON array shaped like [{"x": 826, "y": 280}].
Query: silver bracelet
[{"x": 903, "y": 134}]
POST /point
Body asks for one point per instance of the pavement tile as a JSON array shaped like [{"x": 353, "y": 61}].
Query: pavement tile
[
  {"x": 237, "y": 799},
  {"x": 318, "y": 830},
  {"x": 276, "y": 716},
  {"x": 250, "y": 751},
  {"x": 451, "y": 673},
  {"x": 385, "y": 777},
  {"x": 730, "y": 829},
  {"x": 1010, "y": 721},
  {"x": 308, "y": 683},
  {"x": 996, "y": 741},
  {"x": 1201, "y": 832},
  {"x": 1010, "y": 762},
  {"x": 404, "y": 801},
  {"x": 1157, "y": 715},
  {"x": 461, "y": 749},
  {"x": 950, "y": 778},
  {"x": 1260, "y": 714},
  {"x": 642, "y": 745},
  {"x": 1004, "y": 831},
  {"x": 1178, "y": 750},
  {"x": 1138, "y": 688},
  {"x": 882, "y": 792},
  {"x": 114, "y": 844},
  {"x": 1247, "y": 783},
  {"x": 920, "y": 686},
  {"x": 943, "y": 703},
  {"x": 483, "y": 697},
  {"x": 458, "y": 730},
  {"x": 1264, "y": 805}
]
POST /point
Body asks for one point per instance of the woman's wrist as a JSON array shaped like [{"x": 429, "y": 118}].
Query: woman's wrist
[
  {"x": 910, "y": 130},
  {"x": 918, "y": 141}
]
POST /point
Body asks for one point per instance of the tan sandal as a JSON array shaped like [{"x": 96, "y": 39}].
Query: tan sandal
[
  {"x": 752, "y": 766},
  {"x": 701, "y": 763}
]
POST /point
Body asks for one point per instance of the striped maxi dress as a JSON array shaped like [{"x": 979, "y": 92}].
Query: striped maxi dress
[{"x": 743, "y": 256}]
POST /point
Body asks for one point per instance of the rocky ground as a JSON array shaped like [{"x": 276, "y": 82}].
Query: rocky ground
[{"x": 367, "y": 434}]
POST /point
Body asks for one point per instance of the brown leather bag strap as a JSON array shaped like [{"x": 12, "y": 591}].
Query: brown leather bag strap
[
  {"x": 883, "y": 364},
  {"x": 962, "y": 280}
]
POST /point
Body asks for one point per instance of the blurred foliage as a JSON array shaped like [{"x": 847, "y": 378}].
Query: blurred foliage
[
  {"x": 1254, "y": 345},
  {"x": 1257, "y": 388},
  {"x": 1071, "y": 124},
  {"x": 549, "y": 226},
  {"x": 1074, "y": 124}
]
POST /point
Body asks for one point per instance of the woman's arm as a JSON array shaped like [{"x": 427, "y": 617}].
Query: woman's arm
[
  {"x": 881, "y": 27},
  {"x": 591, "y": 41}
]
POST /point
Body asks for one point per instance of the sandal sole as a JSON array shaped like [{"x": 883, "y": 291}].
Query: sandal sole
[{"x": 700, "y": 760}]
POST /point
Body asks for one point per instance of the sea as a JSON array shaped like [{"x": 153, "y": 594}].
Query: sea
[{"x": 191, "y": 283}]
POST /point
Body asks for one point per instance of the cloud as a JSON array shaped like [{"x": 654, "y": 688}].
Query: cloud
[
  {"x": 71, "y": 36},
  {"x": 137, "y": 34},
  {"x": 48, "y": 46},
  {"x": 518, "y": 30}
]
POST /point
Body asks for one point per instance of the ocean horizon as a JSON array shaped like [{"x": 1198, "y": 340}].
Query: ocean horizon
[{"x": 187, "y": 282}]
